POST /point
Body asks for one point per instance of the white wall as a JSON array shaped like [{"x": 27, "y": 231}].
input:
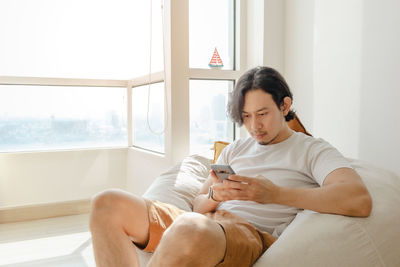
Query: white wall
[
  {"x": 337, "y": 73},
  {"x": 299, "y": 57},
  {"x": 255, "y": 33},
  {"x": 274, "y": 33},
  {"x": 45, "y": 177},
  {"x": 143, "y": 168},
  {"x": 342, "y": 62},
  {"x": 265, "y": 34},
  {"x": 380, "y": 89}
]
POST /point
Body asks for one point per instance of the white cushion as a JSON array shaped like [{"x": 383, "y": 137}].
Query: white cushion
[
  {"x": 180, "y": 184},
  {"x": 312, "y": 239}
]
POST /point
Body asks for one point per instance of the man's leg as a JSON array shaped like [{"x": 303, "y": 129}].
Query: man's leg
[
  {"x": 116, "y": 215},
  {"x": 192, "y": 240}
]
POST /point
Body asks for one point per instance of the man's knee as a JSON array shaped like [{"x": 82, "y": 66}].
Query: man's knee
[
  {"x": 191, "y": 240},
  {"x": 111, "y": 204},
  {"x": 193, "y": 231},
  {"x": 106, "y": 200}
]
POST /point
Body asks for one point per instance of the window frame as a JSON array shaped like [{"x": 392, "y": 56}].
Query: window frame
[
  {"x": 62, "y": 82},
  {"x": 234, "y": 125},
  {"x": 239, "y": 62},
  {"x": 153, "y": 78}
]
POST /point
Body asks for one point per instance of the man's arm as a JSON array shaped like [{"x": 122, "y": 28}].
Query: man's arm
[
  {"x": 201, "y": 203},
  {"x": 342, "y": 192}
]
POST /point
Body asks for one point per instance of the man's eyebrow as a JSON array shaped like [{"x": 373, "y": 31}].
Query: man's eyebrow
[{"x": 261, "y": 109}]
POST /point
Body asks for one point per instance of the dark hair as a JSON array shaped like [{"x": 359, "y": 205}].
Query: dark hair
[{"x": 265, "y": 78}]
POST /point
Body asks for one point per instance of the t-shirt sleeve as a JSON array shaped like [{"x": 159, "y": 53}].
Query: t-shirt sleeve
[
  {"x": 226, "y": 154},
  {"x": 324, "y": 159}
]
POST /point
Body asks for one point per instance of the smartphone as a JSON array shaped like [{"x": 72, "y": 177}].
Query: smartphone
[{"x": 222, "y": 171}]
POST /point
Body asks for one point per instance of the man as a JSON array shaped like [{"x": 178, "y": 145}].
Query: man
[{"x": 279, "y": 173}]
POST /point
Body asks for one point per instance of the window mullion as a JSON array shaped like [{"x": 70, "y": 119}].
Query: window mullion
[
  {"x": 155, "y": 77},
  {"x": 241, "y": 35},
  {"x": 177, "y": 78},
  {"x": 129, "y": 117},
  {"x": 214, "y": 74}
]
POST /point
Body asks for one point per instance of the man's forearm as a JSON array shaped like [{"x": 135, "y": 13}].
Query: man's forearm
[
  {"x": 202, "y": 204},
  {"x": 340, "y": 198}
]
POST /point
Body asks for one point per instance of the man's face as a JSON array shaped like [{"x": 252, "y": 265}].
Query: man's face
[{"x": 262, "y": 118}]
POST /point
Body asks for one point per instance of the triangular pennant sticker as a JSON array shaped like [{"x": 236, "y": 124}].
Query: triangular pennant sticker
[{"x": 216, "y": 61}]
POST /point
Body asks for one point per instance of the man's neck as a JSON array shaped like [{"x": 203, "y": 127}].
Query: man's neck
[{"x": 283, "y": 135}]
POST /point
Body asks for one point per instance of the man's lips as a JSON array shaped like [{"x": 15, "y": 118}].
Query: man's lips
[{"x": 259, "y": 135}]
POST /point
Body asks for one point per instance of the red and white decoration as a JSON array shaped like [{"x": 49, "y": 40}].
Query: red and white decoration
[{"x": 216, "y": 62}]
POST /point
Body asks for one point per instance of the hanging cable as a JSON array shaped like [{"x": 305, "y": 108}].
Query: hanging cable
[{"x": 150, "y": 72}]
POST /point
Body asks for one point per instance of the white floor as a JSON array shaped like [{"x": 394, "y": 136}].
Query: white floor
[{"x": 61, "y": 242}]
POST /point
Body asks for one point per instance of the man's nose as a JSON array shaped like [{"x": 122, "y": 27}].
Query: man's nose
[{"x": 255, "y": 123}]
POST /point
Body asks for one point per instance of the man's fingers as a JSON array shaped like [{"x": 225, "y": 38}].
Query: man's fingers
[
  {"x": 239, "y": 178},
  {"x": 214, "y": 176},
  {"x": 234, "y": 184},
  {"x": 225, "y": 194}
]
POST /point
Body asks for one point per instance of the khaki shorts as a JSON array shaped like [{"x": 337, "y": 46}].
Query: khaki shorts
[{"x": 244, "y": 243}]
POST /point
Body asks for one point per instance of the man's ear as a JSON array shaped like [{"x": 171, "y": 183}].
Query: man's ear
[{"x": 286, "y": 105}]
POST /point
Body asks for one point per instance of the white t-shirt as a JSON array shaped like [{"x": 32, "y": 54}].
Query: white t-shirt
[{"x": 300, "y": 161}]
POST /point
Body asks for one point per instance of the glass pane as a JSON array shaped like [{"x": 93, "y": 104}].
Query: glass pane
[
  {"x": 208, "y": 117},
  {"x": 79, "y": 39},
  {"x": 148, "y": 117},
  {"x": 49, "y": 117},
  {"x": 211, "y": 25}
]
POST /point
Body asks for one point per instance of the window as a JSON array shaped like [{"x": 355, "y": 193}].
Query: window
[
  {"x": 208, "y": 120},
  {"x": 211, "y": 27},
  {"x": 77, "y": 39},
  {"x": 148, "y": 116},
  {"x": 148, "y": 96},
  {"x": 48, "y": 117},
  {"x": 114, "y": 55},
  {"x": 69, "y": 46}
]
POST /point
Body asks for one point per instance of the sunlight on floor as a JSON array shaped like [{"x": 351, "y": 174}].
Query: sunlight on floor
[
  {"x": 63, "y": 241},
  {"x": 43, "y": 248}
]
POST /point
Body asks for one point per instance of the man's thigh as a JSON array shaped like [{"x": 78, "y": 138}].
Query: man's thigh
[
  {"x": 244, "y": 243},
  {"x": 160, "y": 217}
]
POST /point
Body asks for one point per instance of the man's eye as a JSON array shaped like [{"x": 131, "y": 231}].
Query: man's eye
[{"x": 262, "y": 114}]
